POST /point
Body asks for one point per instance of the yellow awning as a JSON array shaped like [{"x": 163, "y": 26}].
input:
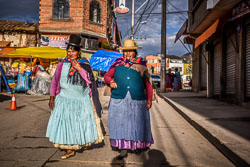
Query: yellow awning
[
  {"x": 208, "y": 33},
  {"x": 40, "y": 52}
]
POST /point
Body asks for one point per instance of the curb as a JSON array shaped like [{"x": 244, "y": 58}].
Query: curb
[{"x": 232, "y": 156}]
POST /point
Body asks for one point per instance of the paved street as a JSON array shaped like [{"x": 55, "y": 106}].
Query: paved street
[{"x": 22, "y": 141}]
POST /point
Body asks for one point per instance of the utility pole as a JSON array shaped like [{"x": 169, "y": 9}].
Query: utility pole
[
  {"x": 163, "y": 46},
  {"x": 133, "y": 19}
]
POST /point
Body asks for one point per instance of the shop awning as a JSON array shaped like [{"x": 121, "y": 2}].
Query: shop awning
[
  {"x": 189, "y": 39},
  {"x": 40, "y": 52},
  {"x": 182, "y": 31},
  {"x": 208, "y": 33},
  {"x": 5, "y": 43},
  {"x": 103, "y": 59},
  {"x": 5, "y": 51}
]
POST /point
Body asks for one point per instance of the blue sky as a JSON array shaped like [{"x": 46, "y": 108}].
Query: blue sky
[
  {"x": 28, "y": 10},
  {"x": 20, "y": 10}
]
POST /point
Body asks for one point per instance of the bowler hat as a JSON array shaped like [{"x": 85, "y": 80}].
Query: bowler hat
[
  {"x": 129, "y": 45},
  {"x": 74, "y": 40}
]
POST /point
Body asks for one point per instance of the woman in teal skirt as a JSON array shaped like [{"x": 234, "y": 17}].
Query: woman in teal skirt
[{"x": 72, "y": 124}]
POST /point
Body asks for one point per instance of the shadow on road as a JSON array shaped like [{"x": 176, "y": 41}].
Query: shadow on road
[
  {"x": 151, "y": 158},
  {"x": 118, "y": 162},
  {"x": 156, "y": 158},
  {"x": 4, "y": 98}
]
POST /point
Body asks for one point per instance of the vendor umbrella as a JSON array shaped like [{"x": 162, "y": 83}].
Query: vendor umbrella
[
  {"x": 40, "y": 52},
  {"x": 103, "y": 59}
]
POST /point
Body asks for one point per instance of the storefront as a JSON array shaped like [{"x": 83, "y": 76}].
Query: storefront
[{"x": 22, "y": 66}]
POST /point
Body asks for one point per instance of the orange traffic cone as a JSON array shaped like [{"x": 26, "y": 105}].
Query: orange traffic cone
[{"x": 13, "y": 103}]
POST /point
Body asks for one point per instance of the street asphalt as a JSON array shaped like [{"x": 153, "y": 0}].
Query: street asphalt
[{"x": 176, "y": 142}]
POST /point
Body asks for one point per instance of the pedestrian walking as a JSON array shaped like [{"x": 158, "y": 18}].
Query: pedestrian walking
[
  {"x": 128, "y": 117},
  {"x": 74, "y": 122},
  {"x": 177, "y": 80},
  {"x": 169, "y": 80}
]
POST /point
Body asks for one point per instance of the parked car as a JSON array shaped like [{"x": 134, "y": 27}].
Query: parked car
[{"x": 156, "y": 79}]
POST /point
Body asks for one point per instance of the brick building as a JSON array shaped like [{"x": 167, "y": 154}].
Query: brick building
[
  {"x": 18, "y": 34},
  {"x": 154, "y": 64},
  {"x": 89, "y": 18}
]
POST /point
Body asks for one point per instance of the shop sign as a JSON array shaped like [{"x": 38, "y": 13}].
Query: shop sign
[
  {"x": 121, "y": 9},
  {"x": 58, "y": 41},
  {"x": 187, "y": 69}
]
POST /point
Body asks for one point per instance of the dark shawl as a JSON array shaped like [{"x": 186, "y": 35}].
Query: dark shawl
[{"x": 76, "y": 79}]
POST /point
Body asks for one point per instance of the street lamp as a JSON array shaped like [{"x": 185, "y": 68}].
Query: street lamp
[{"x": 144, "y": 22}]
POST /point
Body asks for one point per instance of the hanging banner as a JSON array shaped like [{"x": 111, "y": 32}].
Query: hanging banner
[{"x": 58, "y": 41}]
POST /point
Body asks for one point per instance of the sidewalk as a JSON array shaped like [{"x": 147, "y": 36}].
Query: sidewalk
[{"x": 225, "y": 125}]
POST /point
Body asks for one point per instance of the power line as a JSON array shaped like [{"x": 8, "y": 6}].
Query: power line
[
  {"x": 180, "y": 15},
  {"x": 139, "y": 15},
  {"x": 147, "y": 16},
  {"x": 145, "y": 9},
  {"x": 156, "y": 18}
]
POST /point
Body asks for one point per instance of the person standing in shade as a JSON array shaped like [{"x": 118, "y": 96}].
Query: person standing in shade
[
  {"x": 128, "y": 116},
  {"x": 177, "y": 80},
  {"x": 72, "y": 124},
  {"x": 169, "y": 80}
]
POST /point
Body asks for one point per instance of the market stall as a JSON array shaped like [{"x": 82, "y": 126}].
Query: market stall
[
  {"x": 101, "y": 61},
  {"x": 35, "y": 64}
]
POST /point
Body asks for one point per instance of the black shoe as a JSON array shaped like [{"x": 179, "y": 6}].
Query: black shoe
[
  {"x": 123, "y": 154},
  {"x": 137, "y": 152}
]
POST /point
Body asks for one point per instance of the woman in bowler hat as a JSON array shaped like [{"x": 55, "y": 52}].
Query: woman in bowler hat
[{"x": 72, "y": 124}]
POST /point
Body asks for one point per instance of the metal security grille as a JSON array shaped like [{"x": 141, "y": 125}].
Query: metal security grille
[
  {"x": 217, "y": 69},
  {"x": 230, "y": 66},
  {"x": 248, "y": 62},
  {"x": 203, "y": 68}
]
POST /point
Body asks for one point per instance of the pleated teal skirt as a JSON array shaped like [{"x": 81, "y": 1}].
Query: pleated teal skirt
[{"x": 72, "y": 120}]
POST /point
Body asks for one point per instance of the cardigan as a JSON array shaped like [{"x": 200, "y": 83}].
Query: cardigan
[
  {"x": 149, "y": 89},
  {"x": 128, "y": 80}
]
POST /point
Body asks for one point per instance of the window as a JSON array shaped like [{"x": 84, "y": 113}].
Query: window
[
  {"x": 60, "y": 9},
  {"x": 89, "y": 44},
  {"x": 95, "y": 12},
  {"x": 155, "y": 76}
]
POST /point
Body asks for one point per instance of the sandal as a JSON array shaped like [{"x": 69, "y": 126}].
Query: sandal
[{"x": 67, "y": 155}]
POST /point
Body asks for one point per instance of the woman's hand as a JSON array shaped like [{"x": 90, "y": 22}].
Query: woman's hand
[
  {"x": 113, "y": 84},
  {"x": 149, "y": 104},
  {"x": 52, "y": 102},
  {"x": 76, "y": 65}
]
